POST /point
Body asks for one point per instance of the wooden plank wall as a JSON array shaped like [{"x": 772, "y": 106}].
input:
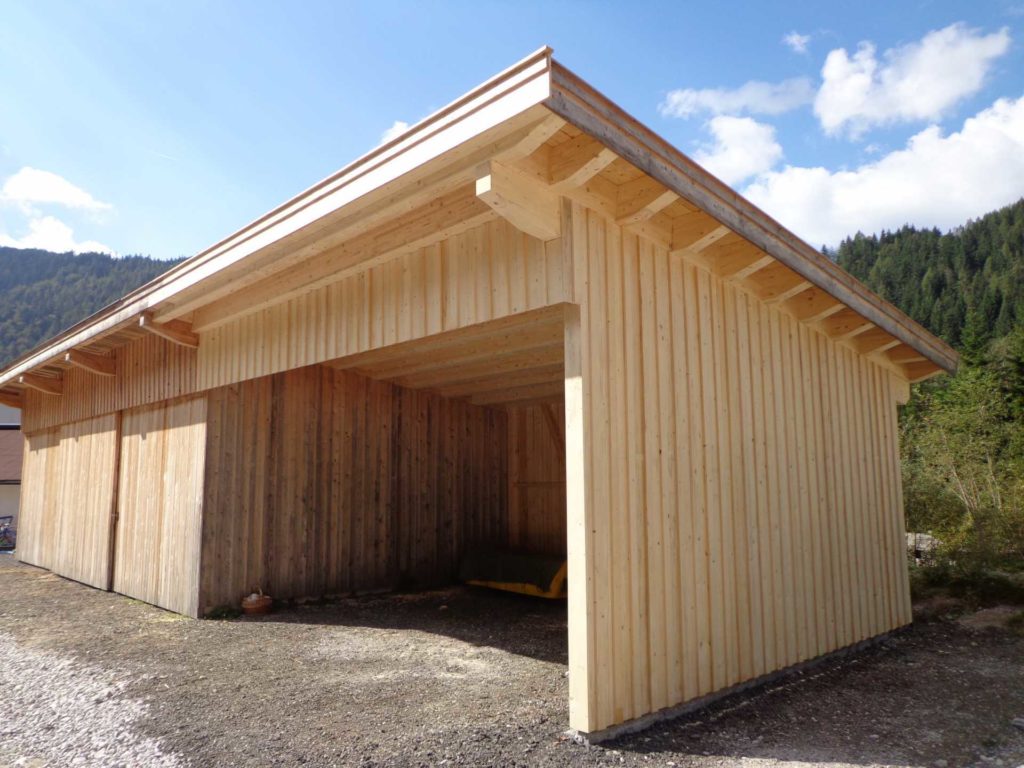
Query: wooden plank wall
[
  {"x": 483, "y": 274},
  {"x": 536, "y": 480},
  {"x": 322, "y": 481},
  {"x": 160, "y": 497},
  {"x": 67, "y": 504},
  {"x": 741, "y": 505},
  {"x": 149, "y": 370},
  {"x": 39, "y": 474}
]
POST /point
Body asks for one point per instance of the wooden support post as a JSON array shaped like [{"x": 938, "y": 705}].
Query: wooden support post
[
  {"x": 45, "y": 384},
  {"x": 521, "y": 200},
  {"x": 177, "y": 331},
  {"x": 98, "y": 364},
  {"x": 582, "y": 665}
]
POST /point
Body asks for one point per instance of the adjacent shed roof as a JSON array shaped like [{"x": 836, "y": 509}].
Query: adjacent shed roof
[{"x": 418, "y": 187}]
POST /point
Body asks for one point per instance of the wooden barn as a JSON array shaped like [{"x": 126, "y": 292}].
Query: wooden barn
[{"x": 526, "y": 323}]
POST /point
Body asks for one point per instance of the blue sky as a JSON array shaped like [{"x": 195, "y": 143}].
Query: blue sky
[{"x": 160, "y": 128}]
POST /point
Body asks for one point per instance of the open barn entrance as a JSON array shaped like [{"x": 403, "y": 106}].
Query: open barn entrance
[{"x": 390, "y": 469}]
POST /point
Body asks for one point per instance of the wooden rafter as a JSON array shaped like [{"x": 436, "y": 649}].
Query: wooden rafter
[
  {"x": 574, "y": 162},
  {"x": 10, "y": 398},
  {"x": 874, "y": 341},
  {"x": 98, "y": 364},
  {"x": 845, "y": 325},
  {"x": 46, "y": 384},
  {"x": 640, "y": 199},
  {"x": 813, "y": 305},
  {"x": 176, "y": 331}
]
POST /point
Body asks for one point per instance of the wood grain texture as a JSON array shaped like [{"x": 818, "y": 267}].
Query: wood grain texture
[
  {"x": 489, "y": 272},
  {"x": 160, "y": 495},
  {"x": 67, "y": 501},
  {"x": 536, "y": 478},
  {"x": 322, "y": 481},
  {"x": 742, "y": 505},
  {"x": 148, "y": 370}
]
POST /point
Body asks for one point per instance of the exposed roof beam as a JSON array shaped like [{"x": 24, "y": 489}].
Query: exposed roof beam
[
  {"x": 595, "y": 115},
  {"x": 573, "y": 163},
  {"x": 845, "y": 325},
  {"x": 176, "y": 331},
  {"x": 921, "y": 371},
  {"x": 903, "y": 354},
  {"x": 740, "y": 264},
  {"x": 529, "y": 206},
  {"x": 641, "y": 199},
  {"x": 777, "y": 283},
  {"x": 695, "y": 228},
  {"x": 98, "y": 364},
  {"x": 45, "y": 384},
  {"x": 813, "y": 305},
  {"x": 875, "y": 341},
  {"x": 688, "y": 245},
  {"x": 10, "y": 399}
]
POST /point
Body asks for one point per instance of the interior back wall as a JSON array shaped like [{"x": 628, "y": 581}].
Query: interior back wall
[{"x": 321, "y": 481}]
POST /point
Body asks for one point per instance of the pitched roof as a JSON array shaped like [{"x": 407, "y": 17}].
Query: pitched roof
[{"x": 424, "y": 173}]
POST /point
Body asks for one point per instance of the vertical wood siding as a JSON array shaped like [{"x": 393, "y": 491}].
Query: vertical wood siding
[
  {"x": 536, "y": 479},
  {"x": 741, "y": 500},
  {"x": 160, "y": 504},
  {"x": 480, "y": 275},
  {"x": 322, "y": 481},
  {"x": 67, "y": 503},
  {"x": 149, "y": 370}
]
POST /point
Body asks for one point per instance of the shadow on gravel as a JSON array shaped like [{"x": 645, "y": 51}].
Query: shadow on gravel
[
  {"x": 935, "y": 695},
  {"x": 518, "y": 624}
]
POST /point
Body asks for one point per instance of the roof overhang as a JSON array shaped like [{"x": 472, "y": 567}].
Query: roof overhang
[{"x": 507, "y": 117}]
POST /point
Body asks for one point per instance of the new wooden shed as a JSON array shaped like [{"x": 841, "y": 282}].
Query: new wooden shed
[{"x": 527, "y": 322}]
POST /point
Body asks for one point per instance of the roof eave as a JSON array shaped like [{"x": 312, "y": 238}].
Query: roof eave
[{"x": 578, "y": 103}]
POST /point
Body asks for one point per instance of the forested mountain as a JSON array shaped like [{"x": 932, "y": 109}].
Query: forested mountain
[
  {"x": 967, "y": 286},
  {"x": 962, "y": 436},
  {"x": 42, "y": 293}
]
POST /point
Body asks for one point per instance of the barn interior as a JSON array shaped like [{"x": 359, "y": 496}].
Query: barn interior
[{"x": 393, "y": 469}]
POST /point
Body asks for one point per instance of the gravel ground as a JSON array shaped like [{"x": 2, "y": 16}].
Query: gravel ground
[{"x": 459, "y": 677}]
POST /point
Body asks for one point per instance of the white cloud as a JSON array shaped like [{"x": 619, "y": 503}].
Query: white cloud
[
  {"x": 935, "y": 180},
  {"x": 796, "y": 42},
  {"x": 397, "y": 129},
  {"x": 31, "y": 186},
  {"x": 51, "y": 234},
  {"x": 742, "y": 148},
  {"x": 917, "y": 81},
  {"x": 753, "y": 97}
]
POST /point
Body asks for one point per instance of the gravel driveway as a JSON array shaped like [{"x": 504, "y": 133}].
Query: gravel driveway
[{"x": 460, "y": 677}]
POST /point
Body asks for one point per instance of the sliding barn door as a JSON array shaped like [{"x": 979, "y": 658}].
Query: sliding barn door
[{"x": 160, "y": 493}]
